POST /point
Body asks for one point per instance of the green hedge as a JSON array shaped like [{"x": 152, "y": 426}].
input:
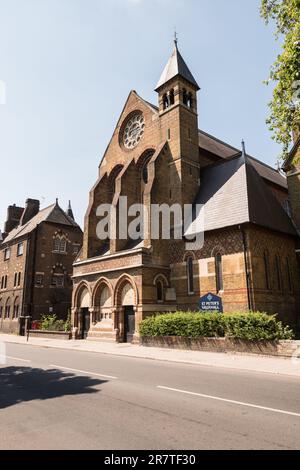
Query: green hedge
[{"x": 251, "y": 326}]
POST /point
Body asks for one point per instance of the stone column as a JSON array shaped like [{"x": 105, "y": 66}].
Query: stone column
[
  {"x": 74, "y": 322},
  {"x": 121, "y": 326},
  {"x": 138, "y": 318},
  {"x": 93, "y": 314}
]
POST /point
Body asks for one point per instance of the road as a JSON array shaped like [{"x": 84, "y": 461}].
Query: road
[{"x": 57, "y": 399}]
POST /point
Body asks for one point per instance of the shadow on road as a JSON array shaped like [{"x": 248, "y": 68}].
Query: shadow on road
[{"x": 21, "y": 384}]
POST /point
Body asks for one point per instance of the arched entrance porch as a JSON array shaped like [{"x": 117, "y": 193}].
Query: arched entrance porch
[
  {"x": 126, "y": 302},
  {"x": 81, "y": 313}
]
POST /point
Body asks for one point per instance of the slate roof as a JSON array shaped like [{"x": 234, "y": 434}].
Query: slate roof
[
  {"x": 223, "y": 150},
  {"x": 176, "y": 66},
  {"x": 52, "y": 214},
  {"x": 234, "y": 193}
]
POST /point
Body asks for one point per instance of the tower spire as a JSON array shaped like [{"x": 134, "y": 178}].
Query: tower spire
[
  {"x": 176, "y": 67},
  {"x": 70, "y": 211}
]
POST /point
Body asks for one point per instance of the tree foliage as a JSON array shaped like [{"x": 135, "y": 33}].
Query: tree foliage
[{"x": 285, "y": 72}]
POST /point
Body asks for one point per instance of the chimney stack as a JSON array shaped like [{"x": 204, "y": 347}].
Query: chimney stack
[
  {"x": 32, "y": 208},
  {"x": 14, "y": 215}
]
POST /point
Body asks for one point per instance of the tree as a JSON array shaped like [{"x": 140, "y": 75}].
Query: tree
[{"x": 285, "y": 72}]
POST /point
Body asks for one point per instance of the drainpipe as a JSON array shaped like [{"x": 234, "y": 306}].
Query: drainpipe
[
  {"x": 247, "y": 270},
  {"x": 33, "y": 270}
]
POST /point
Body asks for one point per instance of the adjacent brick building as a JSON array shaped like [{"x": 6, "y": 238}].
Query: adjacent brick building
[
  {"x": 157, "y": 155},
  {"x": 37, "y": 251}
]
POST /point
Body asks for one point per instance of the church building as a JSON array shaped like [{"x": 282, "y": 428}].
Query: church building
[{"x": 158, "y": 155}]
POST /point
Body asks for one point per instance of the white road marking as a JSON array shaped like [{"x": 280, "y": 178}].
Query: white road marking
[
  {"x": 234, "y": 402},
  {"x": 18, "y": 359},
  {"x": 83, "y": 371}
]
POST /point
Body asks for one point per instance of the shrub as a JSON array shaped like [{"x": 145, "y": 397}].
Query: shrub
[
  {"x": 51, "y": 323},
  {"x": 256, "y": 326},
  {"x": 251, "y": 326},
  {"x": 187, "y": 324}
]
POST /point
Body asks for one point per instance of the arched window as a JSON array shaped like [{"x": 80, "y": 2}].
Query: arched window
[
  {"x": 16, "y": 308},
  {"x": 143, "y": 164},
  {"x": 190, "y": 100},
  {"x": 185, "y": 97},
  {"x": 60, "y": 244},
  {"x": 267, "y": 271},
  {"x": 160, "y": 291},
  {"x": 165, "y": 101},
  {"x": 278, "y": 273},
  {"x": 219, "y": 272},
  {"x": 7, "y": 308},
  {"x": 172, "y": 97},
  {"x": 1, "y": 307},
  {"x": 190, "y": 274}
]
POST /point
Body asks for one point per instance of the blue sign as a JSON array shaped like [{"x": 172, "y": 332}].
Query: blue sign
[{"x": 211, "y": 303}]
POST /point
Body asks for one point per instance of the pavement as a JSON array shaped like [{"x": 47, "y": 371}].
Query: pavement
[
  {"x": 64, "y": 399},
  {"x": 255, "y": 363}
]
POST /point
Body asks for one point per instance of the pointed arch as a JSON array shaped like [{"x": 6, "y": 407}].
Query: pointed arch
[
  {"x": 78, "y": 294},
  {"x": 101, "y": 284},
  {"x": 122, "y": 281}
]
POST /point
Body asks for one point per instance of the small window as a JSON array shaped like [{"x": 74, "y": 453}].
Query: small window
[
  {"x": 58, "y": 281},
  {"x": 20, "y": 249},
  {"x": 169, "y": 134},
  {"x": 219, "y": 273},
  {"x": 190, "y": 275},
  {"x": 15, "y": 279},
  {"x": 39, "y": 280},
  {"x": 56, "y": 244},
  {"x": 6, "y": 254},
  {"x": 19, "y": 279}
]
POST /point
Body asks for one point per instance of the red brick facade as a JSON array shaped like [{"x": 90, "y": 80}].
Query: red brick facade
[{"x": 38, "y": 275}]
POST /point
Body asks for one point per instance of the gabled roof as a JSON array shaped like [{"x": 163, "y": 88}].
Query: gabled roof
[
  {"x": 233, "y": 193},
  {"x": 176, "y": 66},
  {"x": 53, "y": 214},
  {"x": 223, "y": 150}
]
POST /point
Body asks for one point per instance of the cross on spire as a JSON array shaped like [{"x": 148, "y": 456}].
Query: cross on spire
[{"x": 176, "y": 38}]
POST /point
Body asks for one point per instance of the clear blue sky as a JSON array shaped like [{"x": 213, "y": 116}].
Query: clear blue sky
[{"x": 69, "y": 65}]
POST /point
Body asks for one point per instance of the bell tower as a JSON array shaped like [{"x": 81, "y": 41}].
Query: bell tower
[{"x": 177, "y": 94}]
